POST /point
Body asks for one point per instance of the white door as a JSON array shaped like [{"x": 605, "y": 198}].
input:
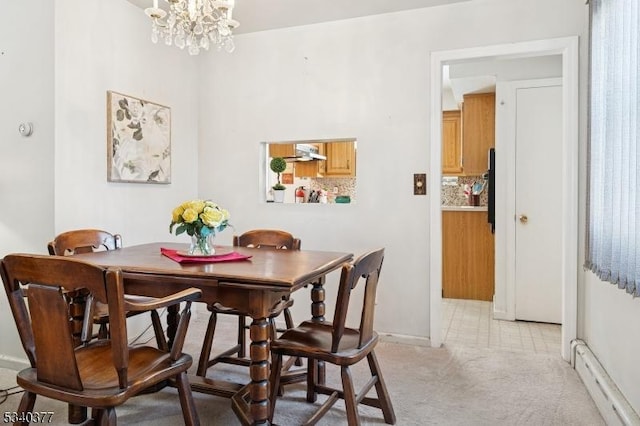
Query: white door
[{"x": 538, "y": 204}]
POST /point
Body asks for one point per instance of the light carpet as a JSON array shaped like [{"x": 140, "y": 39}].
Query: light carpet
[{"x": 445, "y": 386}]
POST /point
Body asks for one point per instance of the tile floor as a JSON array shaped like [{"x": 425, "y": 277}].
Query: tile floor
[{"x": 469, "y": 323}]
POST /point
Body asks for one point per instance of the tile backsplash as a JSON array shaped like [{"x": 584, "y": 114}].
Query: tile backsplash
[
  {"x": 453, "y": 193},
  {"x": 335, "y": 186}
]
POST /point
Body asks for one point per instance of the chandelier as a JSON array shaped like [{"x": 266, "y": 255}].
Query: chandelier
[{"x": 196, "y": 24}]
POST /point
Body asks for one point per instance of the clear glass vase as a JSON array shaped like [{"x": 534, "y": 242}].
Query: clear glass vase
[{"x": 202, "y": 246}]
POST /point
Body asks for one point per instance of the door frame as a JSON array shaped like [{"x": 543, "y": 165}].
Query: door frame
[{"x": 568, "y": 48}]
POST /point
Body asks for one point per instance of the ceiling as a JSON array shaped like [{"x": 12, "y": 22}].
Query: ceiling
[{"x": 261, "y": 15}]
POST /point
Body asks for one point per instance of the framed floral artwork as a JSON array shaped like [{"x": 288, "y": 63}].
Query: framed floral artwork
[{"x": 138, "y": 140}]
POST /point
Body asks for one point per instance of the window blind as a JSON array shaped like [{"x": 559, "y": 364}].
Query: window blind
[{"x": 613, "y": 243}]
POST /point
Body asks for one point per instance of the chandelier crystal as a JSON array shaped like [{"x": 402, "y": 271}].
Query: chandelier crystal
[{"x": 196, "y": 24}]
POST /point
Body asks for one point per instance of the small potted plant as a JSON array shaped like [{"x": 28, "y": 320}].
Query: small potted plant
[{"x": 278, "y": 165}]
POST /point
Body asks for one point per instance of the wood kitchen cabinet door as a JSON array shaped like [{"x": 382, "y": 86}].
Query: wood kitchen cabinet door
[
  {"x": 282, "y": 150},
  {"x": 467, "y": 256},
  {"x": 451, "y": 143},
  {"x": 478, "y": 131},
  {"x": 341, "y": 159}
]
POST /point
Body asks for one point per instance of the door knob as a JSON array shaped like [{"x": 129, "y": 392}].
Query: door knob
[{"x": 523, "y": 219}]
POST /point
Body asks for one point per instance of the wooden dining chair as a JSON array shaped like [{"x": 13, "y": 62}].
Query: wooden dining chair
[
  {"x": 337, "y": 344},
  {"x": 86, "y": 241},
  {"x": 259, "y": 239},
  {"x": 104, "y": 373}
]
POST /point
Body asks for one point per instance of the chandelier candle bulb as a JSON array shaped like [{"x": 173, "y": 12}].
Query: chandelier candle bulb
[{"x": 196, "y": 24}]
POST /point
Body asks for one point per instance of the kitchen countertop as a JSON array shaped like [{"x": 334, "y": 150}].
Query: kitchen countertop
[{"x": 464, "y": 208}]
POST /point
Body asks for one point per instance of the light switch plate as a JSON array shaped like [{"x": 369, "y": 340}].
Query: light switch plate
[{"x": 420, "y": 184}]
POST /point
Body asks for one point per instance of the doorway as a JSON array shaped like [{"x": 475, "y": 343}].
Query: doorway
[{"x": 568, "y": 49}]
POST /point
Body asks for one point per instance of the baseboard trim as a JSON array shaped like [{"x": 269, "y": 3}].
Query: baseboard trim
[
  {"x": 13, "y": 363},
  {"x": 613, "y": 406},
  {"x": 502, "y": 315},
  {"x": 385, "y": 337},
  {"x": 405, "y": 340}
]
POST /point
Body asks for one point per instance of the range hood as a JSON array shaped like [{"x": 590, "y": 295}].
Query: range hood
[{"x": 305, "y": 152}]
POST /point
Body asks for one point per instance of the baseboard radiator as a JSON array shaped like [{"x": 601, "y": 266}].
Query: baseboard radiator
[{"x": 613, "y": 406}]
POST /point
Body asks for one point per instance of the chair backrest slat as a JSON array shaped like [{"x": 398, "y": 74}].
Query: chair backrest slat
[
  {"x": 84, "y": 241},
  {"x": 267, "y": 238},
  {"x": 52, "y": 334},
  {"x": 367, "y": 266}
]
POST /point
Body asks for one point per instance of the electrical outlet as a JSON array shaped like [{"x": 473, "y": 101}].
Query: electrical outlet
[{"x": 420, "y": 184}]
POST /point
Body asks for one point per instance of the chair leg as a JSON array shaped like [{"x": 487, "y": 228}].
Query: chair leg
[
  {"x": 158, "y": 331},
  {"x": 186, "y": 400},
  {"x": 288, "y": 319},
  {"x": 312, "y": 377},
  {"x": 273, "y": 330},
  {"x": 103, "y": 331},
  {"x": 242, "y": 336},
  {"x": 274, "y": 382},
  {"x": 273, "y": 334},
  {"x": 76, "y": 414},
  {"x": 27, "y": 402},
  {"x": 381, "y": 390},
  {"x": 349, "y": 397},
  {"x": 104, "y": 417},
  {"x": 205, "y": 352}
]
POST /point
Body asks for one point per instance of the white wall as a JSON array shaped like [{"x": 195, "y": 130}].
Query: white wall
[
  {"x": 98, "y": 46},
  {"x": 509, "y": 69},
  {"x": 611, "y": 331},
  {"x": 104, "y": 46},
  {"x": 366, "y": 78},
  {"x": 26, "y": 84},
  {"x": 26, "y": 166}
]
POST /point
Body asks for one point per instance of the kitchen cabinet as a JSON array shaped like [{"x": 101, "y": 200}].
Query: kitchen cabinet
[
  {"x": 311, "y": 169},
  {"x": 341, "y": 159},
  {"x": 282, "y": 150},
  {"x": 467, "y": 255},
  {"x": 478, "y": 131},
  {"x": 451, "y": 143}
]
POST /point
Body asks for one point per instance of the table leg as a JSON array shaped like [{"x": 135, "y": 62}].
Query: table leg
[
  {"x": 259, "y": 371},
  {"x": 317, "y": 301}
]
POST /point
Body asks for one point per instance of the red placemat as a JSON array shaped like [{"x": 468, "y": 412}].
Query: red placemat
[{"x": 228, "y": 257}]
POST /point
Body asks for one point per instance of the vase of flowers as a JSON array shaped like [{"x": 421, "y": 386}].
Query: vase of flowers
[
  {"x": 278, "y": 165},
  {"x": 200, "y": 219}
]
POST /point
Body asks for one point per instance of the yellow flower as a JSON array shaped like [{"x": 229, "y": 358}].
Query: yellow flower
[
  {"x": 197, "y": 205},
  {"x": 211, "y": 217},
  {"x": 190, "y": 215},
  {"x": 198, "y": 217},
  {"x": 177, "y": 214}
]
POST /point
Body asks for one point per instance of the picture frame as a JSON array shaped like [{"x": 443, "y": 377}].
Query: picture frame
[
  {"x": 138, "y": 140},
  {"x": 287, "y": 178}
]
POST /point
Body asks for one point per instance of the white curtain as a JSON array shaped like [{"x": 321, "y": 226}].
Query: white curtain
[{"x": 613, "y": 251}]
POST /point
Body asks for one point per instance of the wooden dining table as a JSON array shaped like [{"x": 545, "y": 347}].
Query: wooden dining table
[{"x": 255, "y": 287}]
